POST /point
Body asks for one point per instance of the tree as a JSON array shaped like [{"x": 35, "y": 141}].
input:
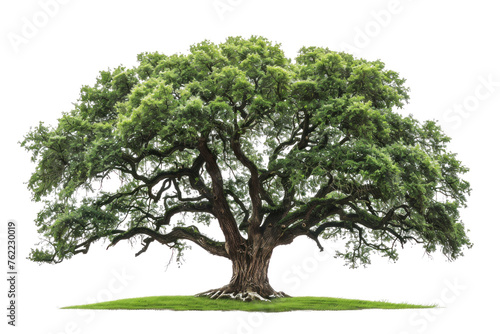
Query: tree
[{"x": 269, "y": 148}]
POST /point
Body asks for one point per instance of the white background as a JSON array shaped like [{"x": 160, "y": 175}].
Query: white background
[{"x": 447, "y": 50}]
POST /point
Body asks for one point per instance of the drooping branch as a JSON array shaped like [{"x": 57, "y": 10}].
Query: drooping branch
[
  {"x": 145, "y": 245},
  {"x": 177, "y": 233},
  {"x": 314, "y": 237},
  {"x": 312, "y": 215},
  {"x": 356, "y": 221},
  {"x": 84, "y": 246},
  {"x": 321, "y": 207}
]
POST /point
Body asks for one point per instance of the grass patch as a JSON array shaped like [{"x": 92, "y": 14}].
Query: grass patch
[{"x": 191, "y": 303}]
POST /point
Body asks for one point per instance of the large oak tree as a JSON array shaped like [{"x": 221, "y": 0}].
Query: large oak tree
[{"x": 268, "y": 148}]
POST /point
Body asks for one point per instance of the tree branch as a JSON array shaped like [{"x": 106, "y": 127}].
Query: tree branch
[
  {"x": 221, "y": 208},
  {"x": 178, "y": 233},
  {"x": 185, "y": 207},
  {"x": 240, "y": 203},
  {"x": 255, "y": 187}
]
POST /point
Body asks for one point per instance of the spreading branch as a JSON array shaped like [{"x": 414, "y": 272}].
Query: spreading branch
[{"x": 177, "y": 233}]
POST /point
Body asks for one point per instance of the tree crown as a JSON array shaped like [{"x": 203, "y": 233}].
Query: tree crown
[{"x": 269, "y": 147}]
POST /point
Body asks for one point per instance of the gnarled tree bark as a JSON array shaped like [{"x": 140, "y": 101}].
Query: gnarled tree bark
[{"x": 250, "y": 277}]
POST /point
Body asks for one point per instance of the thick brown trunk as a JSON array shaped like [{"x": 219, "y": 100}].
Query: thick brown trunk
[
  {"x": 249, "y": 280},
  {"x": 250, "y": 274}
]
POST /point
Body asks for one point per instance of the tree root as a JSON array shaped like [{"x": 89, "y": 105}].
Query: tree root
[{"x": 240, "y": 295}]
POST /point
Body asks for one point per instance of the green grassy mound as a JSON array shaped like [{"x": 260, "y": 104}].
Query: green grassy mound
[{"x": 191, "y": 303}]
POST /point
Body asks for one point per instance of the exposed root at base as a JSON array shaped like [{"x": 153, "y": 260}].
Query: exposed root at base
[{"x": 243, "y": 296}]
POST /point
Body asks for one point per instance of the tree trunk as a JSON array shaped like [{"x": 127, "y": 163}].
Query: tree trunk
[{"x": 249, "y": 280}]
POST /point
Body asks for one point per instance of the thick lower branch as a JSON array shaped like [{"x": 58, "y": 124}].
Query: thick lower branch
[{"x": 178, "y": 233}]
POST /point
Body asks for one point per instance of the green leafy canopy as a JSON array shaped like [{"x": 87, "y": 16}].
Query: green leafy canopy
[{"x": 308, "y": 147}]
